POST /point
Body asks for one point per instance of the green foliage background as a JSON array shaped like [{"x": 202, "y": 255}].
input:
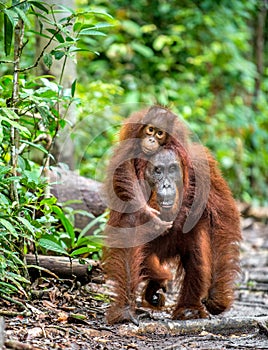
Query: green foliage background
[{"x": 199, "y": 58}]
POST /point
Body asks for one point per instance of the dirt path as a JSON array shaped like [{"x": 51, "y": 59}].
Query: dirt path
[{"x": 63, "y": 315}]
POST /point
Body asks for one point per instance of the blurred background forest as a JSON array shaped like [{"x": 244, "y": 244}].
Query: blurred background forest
[
  {"x": 70, "y": 77},
  {"x": 207, "y": 60}
]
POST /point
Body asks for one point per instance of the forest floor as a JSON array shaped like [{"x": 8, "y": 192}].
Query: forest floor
[{"x": 64, "y": 315}]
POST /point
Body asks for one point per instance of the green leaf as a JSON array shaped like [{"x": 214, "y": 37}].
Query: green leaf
[
  {"x": 73, "y": 88},
  {"x": 66, "y": 44},
  {"x": 8, "y": 286},
  {"x": 53, "y": 246},
  {"x": 27, "y": 224},
  {"x": 91, "y": 32},
  {"x": 39, "y": 147},
  {"x": 58, "y": 54},
  {"x": 1, "y": 133},
  {"x": 132, "y": 28},
  {"x": 48, "y": 201},
  {"x": 48, "y": 60},
  {"x": 10, "y": 115},
  {"x": 80, "y": 251},
  {"x": 23, "y": 16},
  {"x": 39, "y": 5},
  {"x": 97, "y": 26},
  {"x": 142, "y": 49},
  {"x": 14, "y": 276},
  {"x": 31, "y": 178},
  {"x": 44, "y": 112},
  {"x": 78, "y": 316},
  {"x": 66, "y": 9},
  {"x": 8, "y": 29},
  {"x": 77, "y": 49},
  {"x": 57, "y": 34},
  {"x": 9, "y": 227},
  {"x": 98, "y": 219},
  {"x": 3, "y": 200},
  {"x": 77, "y": 26},
  {"x": 96, "y": 12},
  {"x": 62, "y": 123},
  {"x": 65, "y": 222}
]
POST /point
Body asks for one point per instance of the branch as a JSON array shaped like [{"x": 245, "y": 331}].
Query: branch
[
  {"x": 45, "y": 47},
  {"x": 4, "y": 61},
  {"x": 41, "y": 54}
]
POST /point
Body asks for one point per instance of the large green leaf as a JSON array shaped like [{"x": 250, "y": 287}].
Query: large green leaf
[
  {"x": 22, "y": 15},
  {"x": 39, "y": 5},
  {"x": 8, "y": 30},
  {"x": 10, "y": 115},
  {"x": 9, "y": 227},
  {"x": 98, "y": 219},
  {"x": 65, "y": 222},
  {"x": 53, "y": 246},
  {"x": 80, "y": 251},
  {"x": 37, "y": 146},
  {"x": 27, "y": 224},
  {"x": 91, "y": 32}
]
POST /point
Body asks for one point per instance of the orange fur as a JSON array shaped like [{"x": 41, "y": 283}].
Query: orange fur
[{"x": 206, "y": 253}]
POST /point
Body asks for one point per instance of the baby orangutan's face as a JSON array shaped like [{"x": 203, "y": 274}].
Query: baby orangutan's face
[{"x": 151, "y": 139}]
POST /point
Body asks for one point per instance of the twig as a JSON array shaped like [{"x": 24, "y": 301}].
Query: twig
[
  {"x": 6, "y": 62},
  {"x": 41, "y": 54},
  {"x": 43, "y": 269}
]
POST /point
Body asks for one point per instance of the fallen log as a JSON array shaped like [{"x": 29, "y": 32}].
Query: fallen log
[
  {"x": 85, "y": 193},
  {"x": 62, "y": 267}
]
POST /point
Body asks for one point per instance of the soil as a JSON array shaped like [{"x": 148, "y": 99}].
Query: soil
[{"x": 66, "y": 315}]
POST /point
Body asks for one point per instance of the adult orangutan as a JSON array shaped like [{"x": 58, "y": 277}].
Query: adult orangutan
[{"x": 182, "y": 183}]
